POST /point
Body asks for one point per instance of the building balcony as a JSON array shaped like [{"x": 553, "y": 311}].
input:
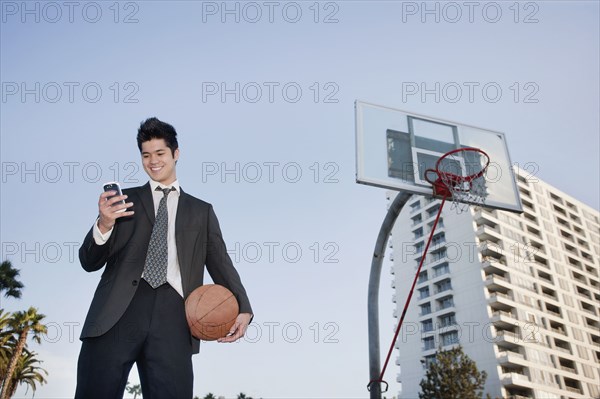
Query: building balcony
[
  {"x": 564, "y": 350},
  {"x": 493, "y": 266},
  {"x": 591, "y": 323},
  {"x": 487, "y": 233},
  {"x": 497, "y": 283},
  {"x": 574, "y": 390},
  {"x": 569, "y": 369},
  {"x": 415, "y": 209},
  {"x": 510, "y": 358},
  {"x": 586, "y": 307},
  {"x": 558, "y": 331},
  {"x": 500, "y": 295},
  {"x": 483, "y": 217},
  {"x": 450, "y": 327},
  {"x": 585, "y": 295},
  {"x": 503, "y": 319},
  {"x": 501, "y": 301},
  {"x": 553, "y": 310},
  {"x": 514, "y": 379},
  {"x": 434, "y": 257},
  {"x": 440, "y": 271},
  {"x": 507, "y": 338},
  {"x": 550, "y": 296},
  {"x": 444, "y": 288},
  {"x": 423, "y": 295},
  {"x": 489, "y": 248},
  {"x": 444, "y": 306}
]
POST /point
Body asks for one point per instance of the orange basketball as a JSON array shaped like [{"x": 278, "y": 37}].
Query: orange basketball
[{"x": 211, "y": 310}]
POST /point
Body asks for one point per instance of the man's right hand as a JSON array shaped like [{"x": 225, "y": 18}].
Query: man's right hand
[{"x": 109, "y": 210}]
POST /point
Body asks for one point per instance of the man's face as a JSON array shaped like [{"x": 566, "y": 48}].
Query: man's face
[{"x": 158, "y": 161}]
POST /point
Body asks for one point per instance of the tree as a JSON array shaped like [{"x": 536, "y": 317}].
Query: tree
[
  {"x": 210, "y": 396},
  {"x": 8, "y": 280},
  {"x": 27, "y": 372},
  {"x": 242, "y": 395},
  {"x": 134, "y": 389},
  {"x": 7, "y": 343},
  {"x": 21, "y": 324},
  {"x": 452, "y": 375}
]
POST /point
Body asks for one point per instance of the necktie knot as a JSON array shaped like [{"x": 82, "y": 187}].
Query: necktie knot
[{"x": 165, "y": 191}]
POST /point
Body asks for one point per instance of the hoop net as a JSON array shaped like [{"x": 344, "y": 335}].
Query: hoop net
[{"x": 460, "y": 177}]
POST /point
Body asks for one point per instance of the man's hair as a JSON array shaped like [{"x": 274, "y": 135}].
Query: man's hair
[{"x": 153, "y": 128}]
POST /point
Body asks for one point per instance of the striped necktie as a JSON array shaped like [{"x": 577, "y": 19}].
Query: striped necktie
[{"x": 155, "y": 269}]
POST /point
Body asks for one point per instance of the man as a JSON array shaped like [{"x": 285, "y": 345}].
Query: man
[{"x": 155, "y": 247}]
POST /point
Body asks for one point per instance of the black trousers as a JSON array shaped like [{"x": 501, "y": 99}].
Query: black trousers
[{"x": 153, "y": 333}]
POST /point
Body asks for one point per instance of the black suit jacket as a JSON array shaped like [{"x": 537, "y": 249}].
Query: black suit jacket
[{"x": 199, "y": 243}]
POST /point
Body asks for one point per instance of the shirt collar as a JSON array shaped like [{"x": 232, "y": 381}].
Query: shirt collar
[{"x": 154, "y": 184}]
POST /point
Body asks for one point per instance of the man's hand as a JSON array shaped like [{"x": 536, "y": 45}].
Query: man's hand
[
  {"x": 109, "y": 211},
  {"x": 238, "y": 329}
]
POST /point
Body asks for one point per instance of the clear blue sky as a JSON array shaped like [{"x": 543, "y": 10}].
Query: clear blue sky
[{"x": 264, "y": 109}]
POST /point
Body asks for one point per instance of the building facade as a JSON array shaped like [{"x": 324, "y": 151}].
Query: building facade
[{"x": 519, "y": 292}]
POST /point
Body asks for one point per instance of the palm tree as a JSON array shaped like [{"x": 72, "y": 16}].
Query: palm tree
[
  {"x": 5, "y": 333},
  {"x": 6, "y": 342},
  {"x": 8, "y": 280},
  {"x": 27, "y": 372},
  {"x": 21, "y": 324},
  {"x": 134, "y": 389}
]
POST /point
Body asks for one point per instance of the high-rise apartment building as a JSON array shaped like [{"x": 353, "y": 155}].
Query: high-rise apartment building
[{"x": 519, "y": 292}]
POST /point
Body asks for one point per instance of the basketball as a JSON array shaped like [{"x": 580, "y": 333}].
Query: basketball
[{"x": 211, "y": 310}]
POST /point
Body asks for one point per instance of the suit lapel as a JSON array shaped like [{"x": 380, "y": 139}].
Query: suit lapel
[
  {"x": 147, "y": 202},
  {"x": 183, "y": 253}
]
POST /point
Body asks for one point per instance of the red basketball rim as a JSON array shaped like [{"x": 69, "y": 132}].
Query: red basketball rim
[{"x": 458, "y": 178}]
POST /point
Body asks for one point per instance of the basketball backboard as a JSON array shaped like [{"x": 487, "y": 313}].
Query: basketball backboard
[{"x": 395, "y": 147}]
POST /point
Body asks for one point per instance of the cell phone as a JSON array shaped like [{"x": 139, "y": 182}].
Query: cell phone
[{"x": 114, "y": 186}]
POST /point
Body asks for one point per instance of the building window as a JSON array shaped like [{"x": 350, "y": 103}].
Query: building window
[
  {"x": 417, "y": 219},
  {"x": 427, "y": 325},
  {"x": 447, "y": 320},
  {"x": 425, "y": 309},
  {"x": 422, "y": 276},
  {"x": 418, "y": 233},
  {"x": 439, "y": 225},
  {"x": 415, "y": 206},
  {"x": 438, "y": 255},
  {"x": 442, "y": 286},
  {"x": 444, "y": 268},
  {"x": 445, "y": 303},
  {"x": 428, "y": 343},
  {"x": 449, "y": 338},
  {"x": 427, "y": 360},
  {"x": 423, "y": 292},
  {"x": 433, "y": 211},
  {"x": 419, "y": 248},
  {"x": 438, "y": 239}
]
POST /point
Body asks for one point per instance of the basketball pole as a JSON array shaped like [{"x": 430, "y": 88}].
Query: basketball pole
[{"x": 373, "y": 293}]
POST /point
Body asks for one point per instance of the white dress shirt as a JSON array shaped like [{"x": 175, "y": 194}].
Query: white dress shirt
[{"x": 173, "y": 271}]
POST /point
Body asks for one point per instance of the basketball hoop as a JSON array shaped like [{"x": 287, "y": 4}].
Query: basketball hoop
[{"x": 460, "y": 177}]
